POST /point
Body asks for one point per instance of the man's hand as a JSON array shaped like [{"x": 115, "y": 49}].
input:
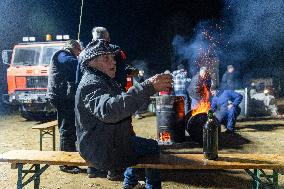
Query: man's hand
[
  {"x": 162, "y": 82},
  {"x": 230, "y": 106}
]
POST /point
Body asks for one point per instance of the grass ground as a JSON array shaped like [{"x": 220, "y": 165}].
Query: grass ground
[{"x": 256, "y": 136}]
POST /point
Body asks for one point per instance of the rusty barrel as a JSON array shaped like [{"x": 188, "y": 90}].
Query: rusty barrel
[{"x": 170, "y": 118}]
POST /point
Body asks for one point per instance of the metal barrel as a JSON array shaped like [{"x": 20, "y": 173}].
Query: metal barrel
[
  {"x": 170, "y": 118},
  {"x": 194, "y": 126}
]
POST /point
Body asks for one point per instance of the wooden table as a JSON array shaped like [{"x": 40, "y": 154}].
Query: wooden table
[{"x": 253, "y": 164}]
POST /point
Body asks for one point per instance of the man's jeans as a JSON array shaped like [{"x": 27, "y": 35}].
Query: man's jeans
[
  {"x": 186, "y": 101},
  {"x": 144, "y": 147},
  {"x": 66, "y": 126},
  {"x": 228, "y": 117}
]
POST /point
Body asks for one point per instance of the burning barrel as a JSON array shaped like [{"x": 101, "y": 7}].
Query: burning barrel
[
  {"x": 170, "y": 118},
  {"x": 194, "y": 125}
]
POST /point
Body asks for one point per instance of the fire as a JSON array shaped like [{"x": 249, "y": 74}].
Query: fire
[
  {"x": 165, "y": 136},
  {"x": 204, "y": 104}
]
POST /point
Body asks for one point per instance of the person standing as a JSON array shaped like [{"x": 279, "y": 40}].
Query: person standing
[
  {"x": 181, "y": 82},
  {"x": 226, "y": 107},
  {"x": 140, "y": 79},
  {"x": 199, "y": 87},
  {"x": 103, "y": 116},
  {"x": 230, "y": 79},
  {"x": 61, "y": 92}
]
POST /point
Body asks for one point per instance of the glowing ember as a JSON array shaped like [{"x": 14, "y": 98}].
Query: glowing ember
[
  {"x": 204, "y": 104},
  {"x": 165, "y": 136}
]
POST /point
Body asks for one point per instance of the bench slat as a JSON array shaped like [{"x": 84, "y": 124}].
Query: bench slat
[
  {"x": 225, "y": 161},
  {"x": 165, "y": 161},
  {"x": 46, "y": 125},
  {"x": 43, "y": 157}
]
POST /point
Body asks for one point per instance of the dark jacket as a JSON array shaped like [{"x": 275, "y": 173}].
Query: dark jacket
[
  {"x": 103, "y": 119},
  {"x": 196, "y": 87},
  {"x": 229, "y": 81},
  {"x": 221, "y": 101},
  {"x": 61, "y": 77}
]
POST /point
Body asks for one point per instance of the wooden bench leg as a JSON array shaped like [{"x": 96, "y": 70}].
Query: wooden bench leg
[
  {"x": 37, "y": 176},
  {"x": 53, "y": 138},
  {"x": 256, "y": 182},
  {"x": 20, "y": 178},
  {"x": 37, "y": 171},
  {"x": 275, "y": 179},
  {"x": 257, "y": 174},
  {"x": 40, "y": 140}
]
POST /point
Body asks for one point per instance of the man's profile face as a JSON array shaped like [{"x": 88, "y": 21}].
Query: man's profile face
[
  {"x": 214, "y": 92},
  {"x": 77, "y": 49},
  {"x": 105, "y": 64},
  {"x": 202, "y": 74}
]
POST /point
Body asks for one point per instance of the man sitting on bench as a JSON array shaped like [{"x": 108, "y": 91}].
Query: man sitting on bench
[{"x": 103, "y": 116}]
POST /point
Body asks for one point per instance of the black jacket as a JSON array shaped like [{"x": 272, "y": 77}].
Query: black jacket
[
  {"x": 196, "y": 87},
  {"x": 61, "y": 77},
  {"x": 103, "y": 119}
]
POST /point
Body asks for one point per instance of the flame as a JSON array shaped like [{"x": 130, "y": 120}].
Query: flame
[
  {"x": 203, "y": 105},
  {"x": 165, "y": 136}
]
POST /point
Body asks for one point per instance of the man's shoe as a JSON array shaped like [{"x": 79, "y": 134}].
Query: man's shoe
[
  {"x": 94, "y": 173},
  {"x": 114, "y": 175},
  {"x": 138, "y": 116},
  {"x": 229, "y": 131},
  {"x": 130, "y": 186},
  {"x": 70, "y": 169}
]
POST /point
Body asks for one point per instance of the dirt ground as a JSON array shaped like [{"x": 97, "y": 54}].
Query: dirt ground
[{"x": 255, "y": 136}]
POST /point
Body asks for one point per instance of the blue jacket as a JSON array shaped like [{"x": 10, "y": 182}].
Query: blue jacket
[{"x": 221, "y": 101}]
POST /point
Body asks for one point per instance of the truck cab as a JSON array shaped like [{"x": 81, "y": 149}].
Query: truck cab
[{"x": 27, "y": 78}]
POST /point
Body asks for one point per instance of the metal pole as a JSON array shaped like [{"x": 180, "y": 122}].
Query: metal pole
[
  {"x": 81, "y": 13},
  {"x": 20, "y": 178}
]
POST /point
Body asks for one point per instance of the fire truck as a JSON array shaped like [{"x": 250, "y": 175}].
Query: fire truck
[{"x": 27, "y": 75}]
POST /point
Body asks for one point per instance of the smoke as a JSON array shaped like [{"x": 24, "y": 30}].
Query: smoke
[
  {"x": 142, "y": 65},
  {"x": 249, "y": 35}
]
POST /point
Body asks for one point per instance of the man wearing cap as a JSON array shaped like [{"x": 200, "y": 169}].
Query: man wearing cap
[
  {"x": 226, "y": 107},
  {"x": 199, "y": 86},
  {"x": 61, "y": 92},
  {"x": 103, "y": 116},
  {"x": 123, "y": 69}
]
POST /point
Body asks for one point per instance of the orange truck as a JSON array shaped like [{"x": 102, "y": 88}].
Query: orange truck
[{"x": 27, "y": 77}]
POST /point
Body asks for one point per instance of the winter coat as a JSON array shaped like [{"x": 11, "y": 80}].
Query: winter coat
[
  {"x": 196, "y": 89},
  {"x": 221, "y": 101},
  {"x": 103, "y": 119},
  {"x": 229, "y": 81},
  {"x": 61, "y": 77}
]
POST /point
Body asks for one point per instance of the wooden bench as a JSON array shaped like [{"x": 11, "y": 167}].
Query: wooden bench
[
  {"x": 253, "y": 164},
  {"x": 47, "y": 128}
]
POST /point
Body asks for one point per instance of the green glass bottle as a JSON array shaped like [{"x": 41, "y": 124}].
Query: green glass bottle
[{"x": 210, "y": 137}]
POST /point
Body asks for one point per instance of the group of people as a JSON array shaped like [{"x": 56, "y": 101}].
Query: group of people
[
  {"x": 225, "y": 102},
  {"x": 87, "y": 87},
  {"x": 94, "y": 111}
]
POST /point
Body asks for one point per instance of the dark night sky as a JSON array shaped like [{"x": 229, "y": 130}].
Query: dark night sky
[{"x": 143, "y": 28}]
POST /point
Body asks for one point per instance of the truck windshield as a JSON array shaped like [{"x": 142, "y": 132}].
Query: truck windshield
[
  {"x": 27, "y": 56},
  {"x": 48, "y": 52}
]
